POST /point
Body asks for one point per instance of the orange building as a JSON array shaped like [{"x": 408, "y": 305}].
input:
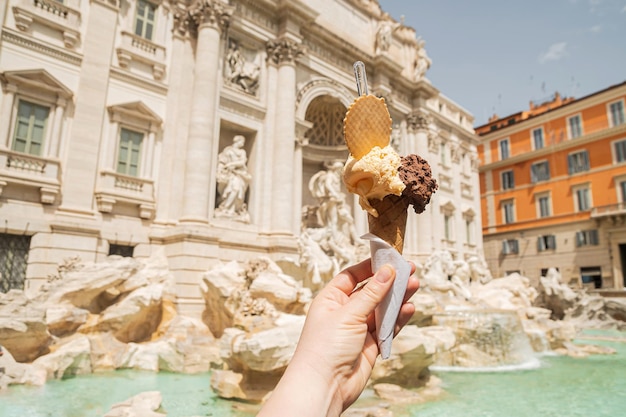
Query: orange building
[{"x": 553, "y": 188}]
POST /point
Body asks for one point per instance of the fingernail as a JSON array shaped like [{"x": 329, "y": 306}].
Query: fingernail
[{"x": 383, "y": 274}]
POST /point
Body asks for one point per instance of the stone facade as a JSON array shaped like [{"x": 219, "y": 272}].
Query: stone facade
[{"x": 113, "y": 115}]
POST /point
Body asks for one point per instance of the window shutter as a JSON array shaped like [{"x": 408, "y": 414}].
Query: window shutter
[
  {"x": 551, "y": 242},
  {"x": 593, "y": 235},
  {"x": 540, "y": 244},
  {"x": 505, "y": 247},
  {"x": 586, "y": 160},
  {"x": 514, "y": 246},
  {"x": 570, "y": 164},
  {"x": 580, "y": 238}
]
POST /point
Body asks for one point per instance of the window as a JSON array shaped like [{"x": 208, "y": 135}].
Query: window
[
  {"x": 447, "y": 220},
  {"x": 540, "y": 171},
  {"x": 591, "y": 275},
  {"x": 620, "y": 150},
  {"x": 538, "y": 138},
  {"x": 508, "y": 180},
  {"x": 622, "y": 186},
  {"x": 510, "y": 246},
  {"x": 30, "y": 128},
  {"x": 469, "y": 230},
  {"x": 582, "y": 198},
  {"x": 546, "y": 242},
  {"x": 121, "y": 250},
  {"x": 578, "y": 162},
  {"x": 128, "y": 152},
  {"x": 543, "y": 206},
  {"x": 13, "y": 261},
  {"x": 144, "y": 19},
  {"x": 616, "y": 111},
  {"x": 442, "y": 154},
  {"x": 587, "y": 238},
  {"x": 508, "y": 211},
  {"x": 575, "y": 126},
  {"x": 504, "y": 148}
]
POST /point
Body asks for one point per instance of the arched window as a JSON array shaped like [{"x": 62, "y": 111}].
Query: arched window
[{"x": 326, "y": 113}]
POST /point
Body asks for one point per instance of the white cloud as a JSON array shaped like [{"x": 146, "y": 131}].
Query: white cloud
[
  {"x": 555, "y": 52},
  {"x": 595, "y": 29}
]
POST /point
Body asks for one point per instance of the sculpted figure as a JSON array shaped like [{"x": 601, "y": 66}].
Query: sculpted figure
[
  {"x": 330, "y": 241},
  {"x": 239, "y": 72},
  {"x": 384, "y": 35},
  {"x": 479, "y": 270},
  {"x": 422, "y": 61},
  {"x": 232, "y": 181}
]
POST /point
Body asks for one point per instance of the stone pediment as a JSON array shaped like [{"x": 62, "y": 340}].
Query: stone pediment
[
  {"x": 39, "y": 79},
  {"x": 136, "y": 110}
]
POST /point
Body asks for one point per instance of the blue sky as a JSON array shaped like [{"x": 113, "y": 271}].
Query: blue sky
[{"x": 494, "y": 56}]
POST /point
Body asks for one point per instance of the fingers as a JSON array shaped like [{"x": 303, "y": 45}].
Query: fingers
[
  {"x": 347, "y": 280},
  {"x": 406, "y": 312},
  {"x": 363, "y": 302}
]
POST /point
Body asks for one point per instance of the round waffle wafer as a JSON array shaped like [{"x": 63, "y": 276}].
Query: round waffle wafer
[{"x": 367, "y": 124}]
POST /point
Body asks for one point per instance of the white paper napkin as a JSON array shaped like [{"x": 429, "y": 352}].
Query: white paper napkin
[{"x": 387, "y": 312}]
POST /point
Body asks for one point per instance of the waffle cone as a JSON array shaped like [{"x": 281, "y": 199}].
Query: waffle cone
[
  {"x": 367, "y": 124},
  {"x": 390, "y": 224}
]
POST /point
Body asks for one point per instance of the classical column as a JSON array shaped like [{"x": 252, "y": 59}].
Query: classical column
[
  {"x": 83, "y": 147},
  {"x": 283, "y": 53},
  {"x": 171, "y": 169},
  {"x": 211, "y": 17},
  {"x": 5, "y": 116},
  {"x": 420, "y": 230}
]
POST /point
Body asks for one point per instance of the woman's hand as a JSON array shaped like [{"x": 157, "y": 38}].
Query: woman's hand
[{"x": 337, "y": 349}]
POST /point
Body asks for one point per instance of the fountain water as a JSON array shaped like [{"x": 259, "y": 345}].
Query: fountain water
[{"x": 485, "y": 340}]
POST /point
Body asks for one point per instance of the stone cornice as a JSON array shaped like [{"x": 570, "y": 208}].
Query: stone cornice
[
  {"x": 111, "y": 4},
  {"x": 125, "y": 76},
  {"x": 42, "y": 47}
]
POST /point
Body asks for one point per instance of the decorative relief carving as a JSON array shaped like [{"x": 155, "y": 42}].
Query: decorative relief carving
[
  {"x": 281, "y": 51},
  {"x": 241, "y": 72},
  {"x": 474, "y": 162},
  {"x": 418, "y": 120},
  {"x": 181, "y": 20},
  {"x": 455, "y": 152},
  {"x": 434, "y": 142},
  {"x": 187, "y": 18}
]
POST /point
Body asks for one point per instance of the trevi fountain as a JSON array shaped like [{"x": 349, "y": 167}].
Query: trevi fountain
[{"x": 105, "y": 339}]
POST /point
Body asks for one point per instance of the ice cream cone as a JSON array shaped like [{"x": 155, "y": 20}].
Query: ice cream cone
[{"x": 390, "y": 224}]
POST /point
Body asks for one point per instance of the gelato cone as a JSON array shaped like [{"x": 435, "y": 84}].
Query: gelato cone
[
  {"x": 390, "y": 224},
  {"x": 387, "y": 185}
]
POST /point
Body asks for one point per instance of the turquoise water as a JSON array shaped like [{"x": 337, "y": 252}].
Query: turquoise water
[
  {"x": 563, "y": 387},
  {"x": 93, "y": 395}
]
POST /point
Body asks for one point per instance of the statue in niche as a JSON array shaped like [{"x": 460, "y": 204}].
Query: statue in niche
[
  {"x": 422, "y": 61},
  {"x": 384, "y": 35},
  {"x": 329, "y": 242},
  {"x": 240, "y": 72},
  {"x": 232, "y": 181}
]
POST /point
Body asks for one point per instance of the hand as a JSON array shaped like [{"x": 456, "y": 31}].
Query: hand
[{"x": 337, "y": 348}]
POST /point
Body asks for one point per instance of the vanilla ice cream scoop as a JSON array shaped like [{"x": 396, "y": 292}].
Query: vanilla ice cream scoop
[{"x": 374, "y": 176}]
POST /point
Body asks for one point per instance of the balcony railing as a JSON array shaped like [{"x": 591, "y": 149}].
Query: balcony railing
[
  {"x": 116, "y": 188},
  {"x": 135, "y": 47},
  {"x": 30, "y": 171},
  {"x": 51, "y": 14},
  {"x": 609, "y": 210}
]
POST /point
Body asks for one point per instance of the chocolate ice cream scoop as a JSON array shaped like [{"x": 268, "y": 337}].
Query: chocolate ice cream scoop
[{"x": 416, "y": 175}]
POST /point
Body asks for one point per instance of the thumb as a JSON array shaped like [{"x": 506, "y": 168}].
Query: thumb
[{"x": 365, "y": 301}]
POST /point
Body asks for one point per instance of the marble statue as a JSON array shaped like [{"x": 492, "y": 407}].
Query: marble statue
[
  {"x": 233, "y": 180},
  {"x": 240, "y": 72},
  {"x": 422, "y": 62},
  {"x": 384, "y": 35},
  {"x": 330, "y": 242}
]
